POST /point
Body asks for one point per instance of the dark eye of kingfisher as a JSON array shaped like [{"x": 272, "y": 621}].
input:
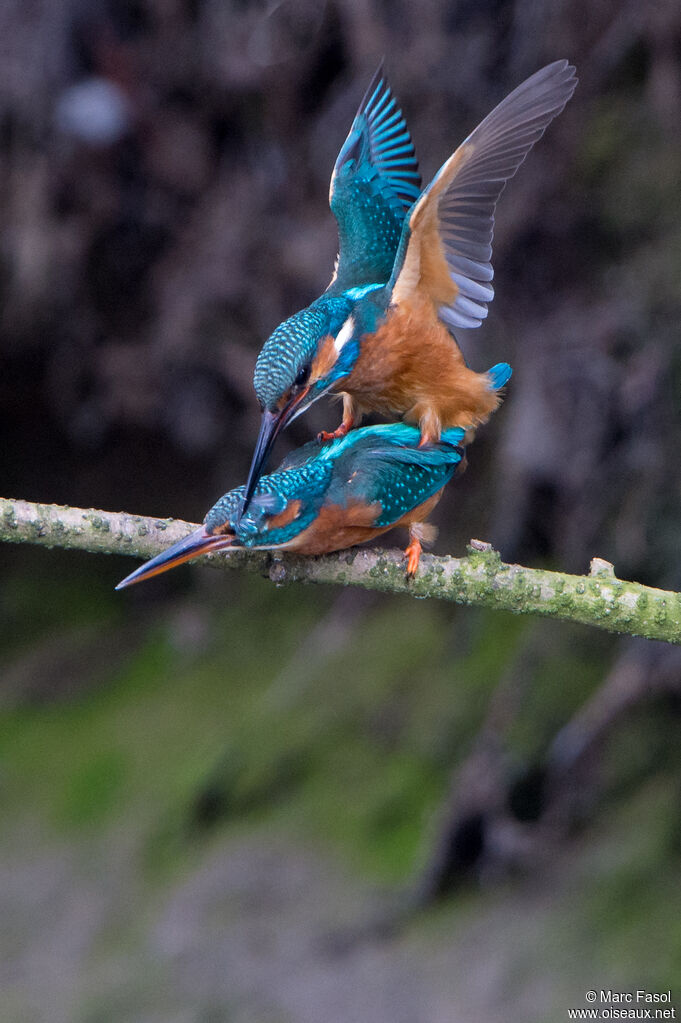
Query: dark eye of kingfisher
[{"x": 302, "y": 376}]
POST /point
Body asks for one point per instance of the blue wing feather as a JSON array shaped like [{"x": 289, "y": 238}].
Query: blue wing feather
[
  {"x": 375, "y": 180},
  {"x": 386, "y": 467}
]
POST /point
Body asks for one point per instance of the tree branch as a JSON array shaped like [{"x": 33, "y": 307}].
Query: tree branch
[{"x": 599, "y": 599}]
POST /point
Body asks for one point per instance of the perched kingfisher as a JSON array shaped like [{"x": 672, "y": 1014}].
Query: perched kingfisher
[
  {"x": 327, "y": 497},
  {"x": 381, "y": 333}
]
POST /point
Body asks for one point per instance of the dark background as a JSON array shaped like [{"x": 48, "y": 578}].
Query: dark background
[{"x": 205, "y": 778}]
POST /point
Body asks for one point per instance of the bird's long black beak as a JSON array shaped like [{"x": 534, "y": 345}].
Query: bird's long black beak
[
  {"x": 270, "y": 426},
  {"x": 198, "y": 542}
]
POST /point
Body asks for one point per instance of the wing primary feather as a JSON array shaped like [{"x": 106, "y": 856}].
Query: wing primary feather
[
  {"x": 454, "y": 217},
  {"x": 374, "y": 182}
]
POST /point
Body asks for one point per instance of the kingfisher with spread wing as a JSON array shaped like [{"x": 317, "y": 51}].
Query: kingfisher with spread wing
[
  {"x": 375, "y": 181},
  {"x": 381, "y": 335}
]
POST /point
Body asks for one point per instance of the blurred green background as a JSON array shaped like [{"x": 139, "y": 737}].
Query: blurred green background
[{"x": 227, "y": 801}]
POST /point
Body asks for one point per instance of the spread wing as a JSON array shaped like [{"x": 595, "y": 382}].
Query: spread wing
[
  {"x": 374, "y": 182},
  {"x": 446, "y": 245}
]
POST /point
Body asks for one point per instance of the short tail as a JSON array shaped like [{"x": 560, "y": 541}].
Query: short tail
[{"x": 499, "y": 376}]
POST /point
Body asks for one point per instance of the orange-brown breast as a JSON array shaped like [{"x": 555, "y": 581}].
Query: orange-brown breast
[
  {"x": 336, "y": 527},
  {"x": 412, "y": 366}
]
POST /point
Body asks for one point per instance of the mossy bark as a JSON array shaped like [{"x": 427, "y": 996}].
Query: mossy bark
[{"x": 599, "y": 599}]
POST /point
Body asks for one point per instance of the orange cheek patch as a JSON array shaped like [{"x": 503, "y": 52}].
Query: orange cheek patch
[
  {"x": 224, "y": 530},
  {"x": 325, "y": 359},
  {"x": 286, "y": 517}
]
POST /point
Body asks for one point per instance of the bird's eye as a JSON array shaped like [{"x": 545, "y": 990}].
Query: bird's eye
[{"x": 302, "y": 376}]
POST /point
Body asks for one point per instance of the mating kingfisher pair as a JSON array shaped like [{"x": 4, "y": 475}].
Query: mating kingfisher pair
[{"x": 412, "y": 265}]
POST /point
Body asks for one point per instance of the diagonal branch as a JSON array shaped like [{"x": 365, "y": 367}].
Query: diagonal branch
[{"x": 599, "y": 599}]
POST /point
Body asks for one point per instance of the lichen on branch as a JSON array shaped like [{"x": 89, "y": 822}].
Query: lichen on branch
[{"x": 481, "y": 578}]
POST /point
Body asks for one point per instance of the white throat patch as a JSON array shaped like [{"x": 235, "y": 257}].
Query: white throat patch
[{"x": 344, "y": 334}]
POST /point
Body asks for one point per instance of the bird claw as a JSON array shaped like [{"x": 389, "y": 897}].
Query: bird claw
[
  {"x": 426, "y": 440},
  {"x": 413, "y": 556},
  {"x": 324, "y": 437}
]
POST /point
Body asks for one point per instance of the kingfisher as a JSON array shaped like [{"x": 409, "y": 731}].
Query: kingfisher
[
  {"x": 326, "y": 497},
  {"x": 374, "y": 182},
  {"x": 382, "y": 336}
]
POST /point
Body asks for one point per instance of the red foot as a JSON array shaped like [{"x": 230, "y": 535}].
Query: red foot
[
  {"x": 324, "y": 437},
  {"x": 413, "y": 556}
]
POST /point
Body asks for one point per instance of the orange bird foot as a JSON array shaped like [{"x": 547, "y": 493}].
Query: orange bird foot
[
  {"x": 324, "y": 437},
  {"x": 413, "y": 556}
]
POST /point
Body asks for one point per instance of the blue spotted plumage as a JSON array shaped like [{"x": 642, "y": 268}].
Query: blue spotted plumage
[
  {"x": 375, "y": 464},
  {"x": 295, "y": 341},
  {"x": 327, "y": 497}
]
